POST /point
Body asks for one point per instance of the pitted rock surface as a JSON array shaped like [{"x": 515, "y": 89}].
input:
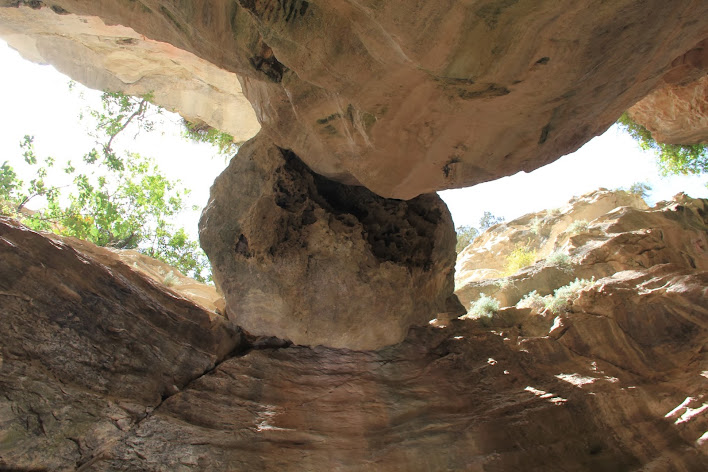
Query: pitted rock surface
[{"x": 301, "y": 257}]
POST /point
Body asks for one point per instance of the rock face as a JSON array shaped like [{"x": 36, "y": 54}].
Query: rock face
[
  {"x": 407, "y": 100},
  {"x": 677, "y": 112},
  {"x": 89, "y": 349},
  {"x": 116, "y": 58},
  {"x": 624, "y": 235},
  {"x": 103, "y": 370},
  {"x": 304, "y": 258},
  {"x": 206, "y": 296},
  {"x": 543, "y": 233}
]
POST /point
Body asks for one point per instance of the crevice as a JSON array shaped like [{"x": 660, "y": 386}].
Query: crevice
[
  {"x": 402, "y": 232},
  {"x": 245, "y": 344}
]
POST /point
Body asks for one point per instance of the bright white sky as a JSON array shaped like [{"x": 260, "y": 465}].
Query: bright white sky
[{"x": 36, "y": 101}]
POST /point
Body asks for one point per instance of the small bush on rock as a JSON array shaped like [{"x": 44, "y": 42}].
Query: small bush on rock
[
  {"x": 532, "y": 300},
  {"x": 518, "y": 259},
  {"x": 578, "y": 226},
  {"x": 564, "y": 296},
  {"x": 559, "y": 259},
  {"x": 484, "y": 307}
]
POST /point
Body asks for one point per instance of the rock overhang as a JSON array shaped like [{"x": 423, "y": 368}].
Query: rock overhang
[{"x": 430, "y": 97}]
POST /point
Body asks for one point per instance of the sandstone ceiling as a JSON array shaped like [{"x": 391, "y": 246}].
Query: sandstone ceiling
[{"x": 401, "y": 98}]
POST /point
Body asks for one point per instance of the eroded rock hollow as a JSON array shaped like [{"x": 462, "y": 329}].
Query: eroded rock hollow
[{"x": 314, "y": 261}]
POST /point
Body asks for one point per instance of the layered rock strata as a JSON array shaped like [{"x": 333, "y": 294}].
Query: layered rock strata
[
  {"x": 313, "y": 261},
  {"x": 104, "y": 370},
  {"x": 409, "y": 99},
  {"x": 624, "y": 235},
  {"x": 89, "y": 349}
]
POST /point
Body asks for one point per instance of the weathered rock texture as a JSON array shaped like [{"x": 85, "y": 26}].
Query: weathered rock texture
[
  {"x": 406, "y": 99},
  {"x": 206, "y": 296},
  {"x": 543, "y": 232},
  {"x": 677, "y": 112},
  {"x": 116, "y": 58},
  {"x": 304, "y": 258},
  {"x": 89, "y": 348},
  {"x": 622, "y": 234},
  {"x": 102, "y": 370}
]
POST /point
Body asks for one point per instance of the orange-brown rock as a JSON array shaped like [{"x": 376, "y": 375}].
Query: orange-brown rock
[
  {"x": 314, "y": 261},
  {"x": 116, "y": 58},
  {"x": 676, "y": 114},
  {"x": 103, "y": 370},
  {"x": 409, "y": 99},
  {"x": 88, "y": 349},
  {"x": 618, "y": 233},
  {"x": 677, "y": 111}
]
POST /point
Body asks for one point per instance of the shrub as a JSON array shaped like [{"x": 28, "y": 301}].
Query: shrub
[
  {"x": 536, "y": 226},
  {"x": 532, "y": 300},
  {"x": 485, "y": 306},
  {"x": 672, "y": 158},
  {"x": 559, "y": 259},
  {"x": 563, "y": 296},
  {"x": 578, "y": 226},
  {"x": 504, "y": 283},
  {"x": 488, "y": 220},
  {"x": 518, "y": 259},
  {"x": 170, "y": 279}
]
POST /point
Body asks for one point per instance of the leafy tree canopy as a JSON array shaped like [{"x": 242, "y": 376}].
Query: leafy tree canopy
[
  {"x": 672, "y": 158},
  {"x": 203, "y": 133},
  {"x": 488, "y": 220},
  {"x": 467, "y": 234},
  {"x": 119, "y": 200}
]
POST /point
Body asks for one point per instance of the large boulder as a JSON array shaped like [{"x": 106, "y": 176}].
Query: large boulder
[
  {"x": 408, "y": 98},
  {"x": 305, "y": 258}
]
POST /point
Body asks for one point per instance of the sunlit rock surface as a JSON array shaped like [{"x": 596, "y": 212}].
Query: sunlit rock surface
[
  {"x": 595, "y": 235},
  {"x": 313, "y": 261},
  {"x": 103, "y": 370},
  {"x": 676, "y": 114},
  {"x": 410, "y": 98},
  {"x": 206, "y": 296},
  {"x": 116, "y": 58},
  {"x": 677, "y": 111}
]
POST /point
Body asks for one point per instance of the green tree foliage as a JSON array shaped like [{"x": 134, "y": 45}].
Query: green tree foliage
[
  {"x": 203, "y": 133},
  {"x": 488, "y": 220},
  {"x": 113, "y": 200},
  {"x": 465, "y": 235},
  {"x": 640, "y": 189},
  {"x": 672, "y": 158}
]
